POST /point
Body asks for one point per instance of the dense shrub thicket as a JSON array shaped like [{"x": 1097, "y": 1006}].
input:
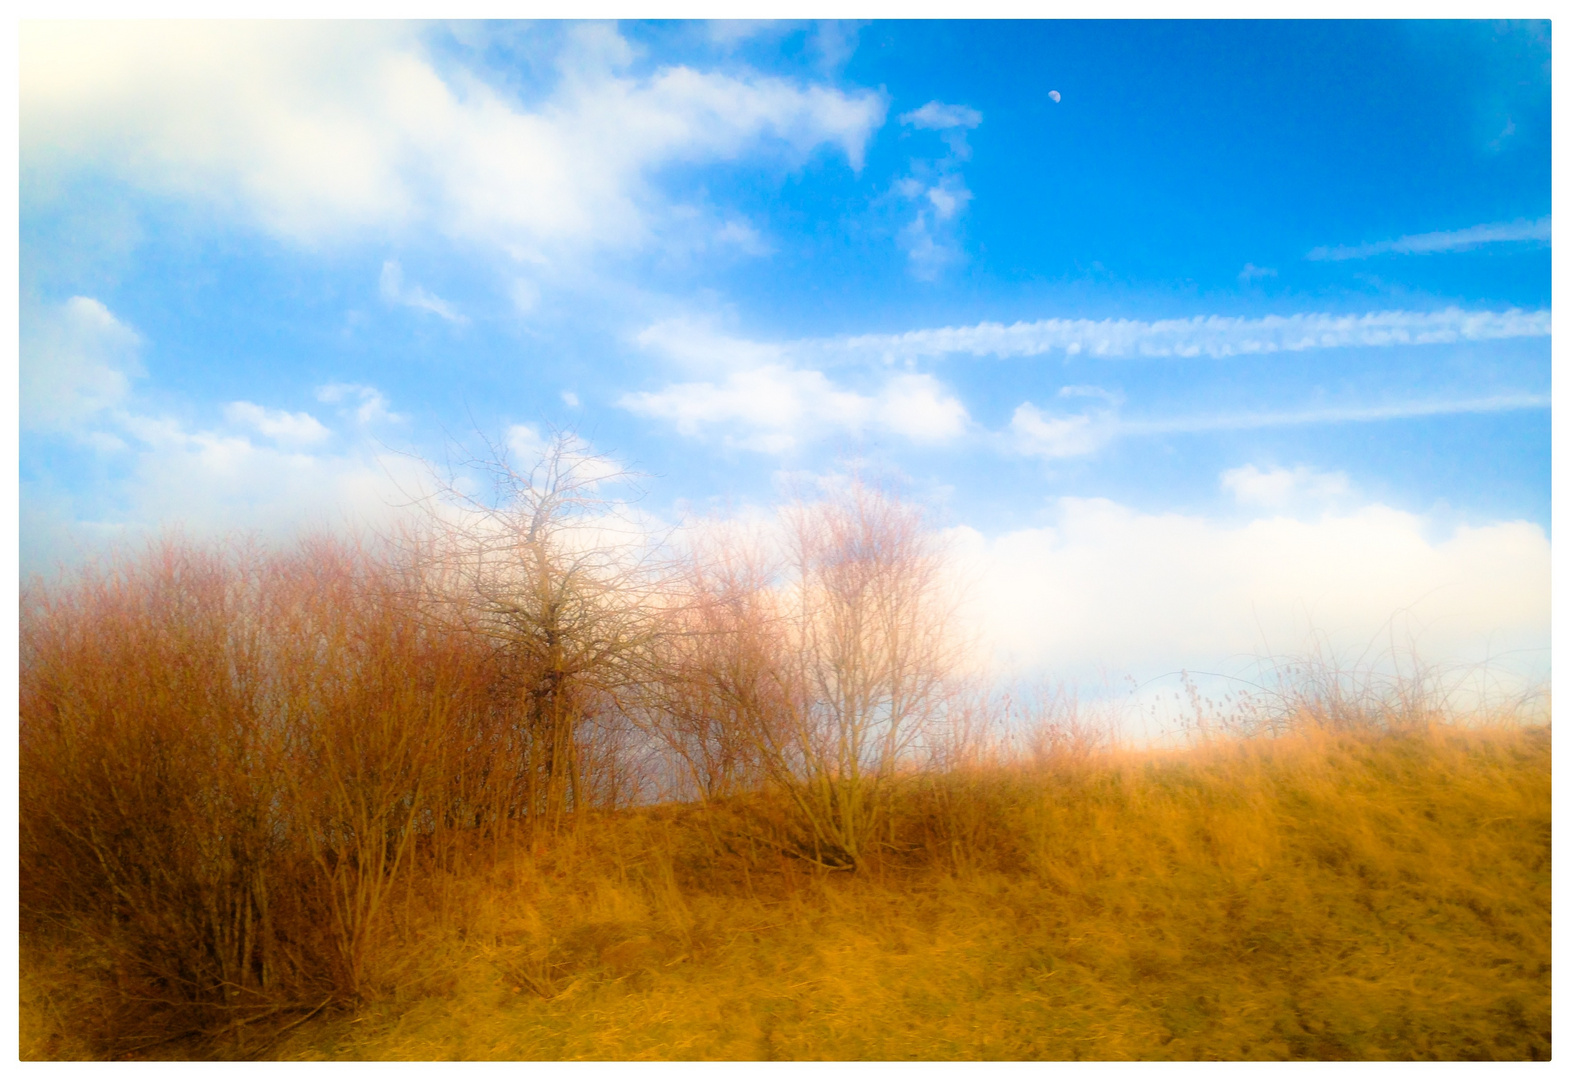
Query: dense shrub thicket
[{"x": 234, "y": 760}]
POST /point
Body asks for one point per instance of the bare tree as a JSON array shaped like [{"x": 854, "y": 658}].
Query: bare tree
[
  {"x": 871, "y": 649},
  {"x": 821, "y": 672},
  {"x": 541, "y": 564}
]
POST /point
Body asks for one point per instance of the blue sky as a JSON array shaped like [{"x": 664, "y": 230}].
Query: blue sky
[{"x": 1195, "y": 334}]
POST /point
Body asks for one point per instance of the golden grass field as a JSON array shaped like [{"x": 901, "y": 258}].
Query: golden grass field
[{"x": 1314, "y": 896}]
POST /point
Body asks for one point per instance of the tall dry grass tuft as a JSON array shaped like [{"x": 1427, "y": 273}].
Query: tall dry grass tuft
[{"x": 1372, "y": 690}]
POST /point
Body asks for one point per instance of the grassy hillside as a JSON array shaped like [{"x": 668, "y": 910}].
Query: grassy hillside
[{"x": 1343, "y": 896}]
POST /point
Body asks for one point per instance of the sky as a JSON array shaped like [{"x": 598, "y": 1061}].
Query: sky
[{"x": 1202, "y": 341}]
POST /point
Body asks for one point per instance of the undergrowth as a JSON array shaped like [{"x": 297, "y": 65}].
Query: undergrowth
[{"x": 1319, "y": 895}]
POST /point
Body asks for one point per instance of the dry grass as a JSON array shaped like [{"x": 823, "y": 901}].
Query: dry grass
[{"x": 1317, "y": 896}]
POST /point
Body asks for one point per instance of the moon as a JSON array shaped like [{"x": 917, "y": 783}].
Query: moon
[{"x": 1054, "y": 95}]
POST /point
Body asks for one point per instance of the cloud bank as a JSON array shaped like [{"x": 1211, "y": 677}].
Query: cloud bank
[
  {"x": 1108, "y": 590},
  {"x": 317, "y": 131}
]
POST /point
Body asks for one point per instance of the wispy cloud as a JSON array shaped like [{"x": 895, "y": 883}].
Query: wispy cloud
[
  {"x": 276, "y": 424},
  {"x": 741, "y": 235},
  {"x": 77, "y": 360},
  {"x": 396, "y": 291},
  {"x": 928, "y": 239},
  {"x": 937, "y": 190},
  {"x": 1503, "y": 232},
  {"x": 1038, "y": 433},
  {"x": 1204, "y": 335},
  {"x": 697, "y": 343},
  {"x": 936, "y": 116},
  {"x": 1350, "y": 414}
]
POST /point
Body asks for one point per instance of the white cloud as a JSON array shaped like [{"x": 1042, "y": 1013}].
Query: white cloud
[
  {"x": 697, "y": 344},
  {"x": 936, "y": 116},
  {"x": 321, "y": 130},
  {"x": 948, "y": 198},
  {"x": 742, "y": 236},
  {"x": 1037, "y": 434},
  {"x": 919, "y": 408},
  {"x": 1252, "y": 486},
  {"x": 766, "y": 402},
  {"x": 372, "y": 406},
  {"x": 763, "y": 385},
  {"x": 395, "y": 290},
  {"x": 1502, "y": 232},
  {"x": 768, "y": 386},
  {"x": 77, "y": 360},
  {"x": 772, "y": 400},
  {"x": 570, "y": 399},
  {"x": 276, "y": 424},
  {"x": 215, "y": 482},
  {"x": 831, "y": 41},
  {"x": 1250, "y": 273},
  {"x": 526, "y": 444},
  {"x": 1202, "y": 335},
  {"x": 772, "y": 408},
  {"x": 212, "y": 483},
  {"x": 1108, "y": 589}
]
